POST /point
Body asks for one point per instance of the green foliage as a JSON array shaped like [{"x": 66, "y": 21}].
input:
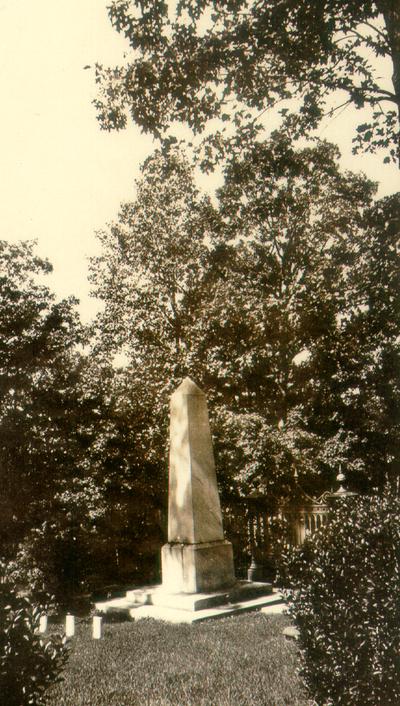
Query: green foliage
[
  {"x": 364, "y": 392},
  {"x": 151, "y": 261},
  {"x": 150, "y": 277},
  {"x": 345, "y": 598},
  {"x": 103, "y": 525},
  {"x": 235, "y": 60},
  {"x": 38, "y": 375},
  {"x": 29, "y": 663},
  {"x": 124, "y": 462},
  {"x": 76, "y": 497},
  {"x": 241, "y": 660},
  {"x": 255, "y": 455},
  {"x": 49, "y": 500},
  {"x": 269, "y": 299}
]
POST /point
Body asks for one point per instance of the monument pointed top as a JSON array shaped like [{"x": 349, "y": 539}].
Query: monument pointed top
[{"x": 188, "y": 387}]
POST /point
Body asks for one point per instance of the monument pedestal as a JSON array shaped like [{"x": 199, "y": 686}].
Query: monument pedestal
[{"x": 197, "y": 568}]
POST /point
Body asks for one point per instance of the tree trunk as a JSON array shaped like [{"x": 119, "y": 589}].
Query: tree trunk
[{"x": 391, "y": 13}]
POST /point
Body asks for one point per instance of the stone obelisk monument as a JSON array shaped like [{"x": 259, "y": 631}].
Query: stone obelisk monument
[
  {"x": 198, "y": 580},
  {"x": 196, "y": 558}
]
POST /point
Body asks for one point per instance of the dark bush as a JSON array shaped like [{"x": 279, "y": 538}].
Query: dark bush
[
  {"x": 344, "y": 594},
  {"x": 29, "y": 662}
]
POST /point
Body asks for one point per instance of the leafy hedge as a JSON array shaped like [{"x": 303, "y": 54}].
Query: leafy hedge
[
  {"x": 343, "y": 587},
  {"x": 29, "y": 662}
]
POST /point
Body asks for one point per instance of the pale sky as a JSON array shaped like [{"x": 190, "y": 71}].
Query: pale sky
[{"x": 62, "y": 177}]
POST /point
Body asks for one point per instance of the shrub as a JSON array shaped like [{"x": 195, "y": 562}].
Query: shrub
[
  {"x": 345, "y": 599},
  {"x": 29, "y": 662}
]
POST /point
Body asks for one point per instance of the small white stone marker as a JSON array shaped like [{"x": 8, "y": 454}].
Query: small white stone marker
[
  {"x": 70, "y": 625},
  {"x": 97, "y": 627},
  {"x": 43, "y": 623}
]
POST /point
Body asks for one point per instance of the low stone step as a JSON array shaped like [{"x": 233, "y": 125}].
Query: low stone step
[
  {"x": 141, "y": 595},
  {"x": 276, "y": 605},
  {"x": 176, "y": 615},
  {"x": 187, "y": 601},
  {"x": 154, "y": 601},
  {"x": 114, "y": 605},
  {"x": 241, "y": 591},
  {"x": 156, "y": 595}
]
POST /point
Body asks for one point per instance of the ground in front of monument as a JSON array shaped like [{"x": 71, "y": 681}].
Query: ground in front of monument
[{"x": 243, "y": 660}]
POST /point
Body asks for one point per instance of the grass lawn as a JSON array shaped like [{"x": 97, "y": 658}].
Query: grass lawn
[{"x": 236, "y": 661}]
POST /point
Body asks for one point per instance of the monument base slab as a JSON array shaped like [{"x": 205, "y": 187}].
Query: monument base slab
[
  {"x": 197, "y": 568},
  {"x": 268, "y": 604},
  {"x": 154, "y": 602}
]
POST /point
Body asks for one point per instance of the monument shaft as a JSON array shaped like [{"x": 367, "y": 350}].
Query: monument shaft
[
  {"x": 196, "y": 558},
  {"x": 194, "y": 512}
]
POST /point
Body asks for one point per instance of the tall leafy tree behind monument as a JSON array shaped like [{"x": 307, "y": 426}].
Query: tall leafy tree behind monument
[
  {"x": 150, "y": 274},
  {"x": 195, "y": 61},
  {"x": 257, "y": 298},
  {"x": 241, "y": 65},
  {"x": 293, "y": 229}
]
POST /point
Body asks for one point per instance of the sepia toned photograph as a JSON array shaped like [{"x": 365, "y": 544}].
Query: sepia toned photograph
[{"x": 200, "y": 353}]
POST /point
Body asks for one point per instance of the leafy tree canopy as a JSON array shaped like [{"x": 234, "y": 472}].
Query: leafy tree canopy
[
  {"x": 233, "y": 60},
  {"x": 38, "y": 370},
  {"x": 77, "y": 488},
  {"x": 265, "y": 300}
]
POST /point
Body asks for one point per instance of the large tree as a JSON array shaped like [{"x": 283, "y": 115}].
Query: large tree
[
  {"x": 366, "y": 393},
  {"x": 38, "y": 369},
  {"x": 198, "y": 60},
  {"x": 149, "y": 272},
  {"x": 261, "y": 298},
  {"x": 291, "y": 322},
  {"x": 74, "y": 483},
  {"x": 47, "y": 489}
]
